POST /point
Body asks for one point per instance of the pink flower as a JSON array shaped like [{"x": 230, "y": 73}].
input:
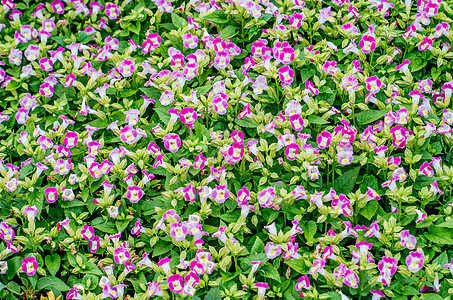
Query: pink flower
[
  {"x": 126, "y": 68},
  {"x": 426, "y": 44},
  {"x": 351, "y": 279},
  {"x": 178, "y": 231},
  {"x": 112, "y": 11},
  {"x": 272, "y": 250},
  {"x": 330, "y": 67},
  {"x": 129, "y": 135},
  {"x": 29, "y": 265},
  {"x": 324, "y": 139},
  {"x": 350, "y": 82},
  {"x": 373, "y": 84},
  {"x": 22, "y": 116},
  {"x": 87, "y": 232},
  {"x": 190, "y": 41},
  {"x": 262, "y": 287},
  {"x": 295, "y": 20},
  {"x": 46, "y": 64},
  {"x": 414, "y": 261},
  {"x": 172, "y": 142},
  {"x": 220, "y": 103},
  {"x": 46, "y": 89},
  {"x": 303, "y": 282},
  {"x": 222, "y": 59},
  {"x": 297, "y": 123},
  {"x": 425, "y": 169},
  {"x": 367, "y": 43},
  {"x": 266, "y": 197},
  {"x": 407, "y": 240},
  {"x": 121, "y": 255},
  {"x": 260, "y": 85},
  {"x": 291, "y": 151},
  {"x": 134, "y": 193},
  {"x": 62, "y": 166},
  {"x": 58, "y": 6},
  {"x": 286, "y": 74},
  {"x": 188, "y": 116},
  {"x": 220, "y": 193},
  {"x": 442, "y": 29},
  {"x": 404, "y": 67},
  {"x": 189, "y": 193},
  {"x": 175, "y": 283},
  {"x": 318, "y": 266},
  {"x": 51, "y": 194},
  {"x": 421, "y": 216}
]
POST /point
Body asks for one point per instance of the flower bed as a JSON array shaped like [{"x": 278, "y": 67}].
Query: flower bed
[{"x": 226, "y": 149}]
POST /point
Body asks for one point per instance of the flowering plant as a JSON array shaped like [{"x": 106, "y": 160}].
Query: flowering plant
[{"x": 226, "y": 149}]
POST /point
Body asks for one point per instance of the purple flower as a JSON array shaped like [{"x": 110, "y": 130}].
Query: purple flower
[
  {"x": 121, "y": 255},
  {"x": 175, "y": 283},
  {"x": 414, "y": 261},
  {"x": 272, "y": 250},
  {"x": 29, "y": 265},
  {"x": 134, "y": 193},
  {"x": 51, "y": 194}
]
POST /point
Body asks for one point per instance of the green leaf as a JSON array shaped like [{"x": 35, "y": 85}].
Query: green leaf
[
  {"x": 163, "y": 115},
  {"x": 90, "y": 281},
  {"x": 334, "y": 296},
  {"x": 178, "y": 21},
  {"x": 422, "y": 180},
  {"x": 246, "y": 123},
  {"x": 213, "y": 294},
  {"x": 439, "y": 235},
  {"x": 297, "y": 265},
  {"x": 161, "y": 247},
  {"x": 317, "y": 120},
  {"x": 121, "y": 225},
  {"x": 127, "y": 93},
  {"x": 417, "y": 64},
  {"x": 106, "y": 227},
  {"x": 370, "y": 209},
  {"x": 258, "y": 246},
  {"x": 370, "y": 116},
  {"x": 53, "y": 263},
  {"x": 84, "y": 38},
  {"x": 409, "y": 291},
  {"x": 218, "y": 17},
  {"x": 432, "y": 297},
  {"x": 310, "y": 229},
  {"x": 345, "y": 183},
  {"x": 135, "y": 28},
  {"x": 228, "y": 32},
  {"x": 13, "y": 287},
  {"x": 270, "y": 272},
  {"x": 441, "y": 259},
  {"x": 91, "y": 268},
  {"x": 50, "y": 283},
  {"x": 446, "y": 224},
  {"x": 59, "y": 40}
]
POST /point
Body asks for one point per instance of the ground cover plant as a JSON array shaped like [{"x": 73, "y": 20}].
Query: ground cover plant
[{"x": 226, "y": 149}]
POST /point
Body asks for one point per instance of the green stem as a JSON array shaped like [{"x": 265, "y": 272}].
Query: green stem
[{"x": 361, "y": 285}]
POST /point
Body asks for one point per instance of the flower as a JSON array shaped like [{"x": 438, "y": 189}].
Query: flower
[
  {"x": 414, "y": 261},
  {"x": 272, "y": 250},
  {"x": 175, "y": 283},
  {"x": 29, "y": 265},
  {"x": 134, "y": 193}
]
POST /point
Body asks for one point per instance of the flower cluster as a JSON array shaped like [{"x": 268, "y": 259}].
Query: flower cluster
[{"x": 226, "y": 149}]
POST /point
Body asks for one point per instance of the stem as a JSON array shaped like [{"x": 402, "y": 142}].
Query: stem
[
  {"x": 361, "y": 285},
  {"x": 277, "y": 88}
]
